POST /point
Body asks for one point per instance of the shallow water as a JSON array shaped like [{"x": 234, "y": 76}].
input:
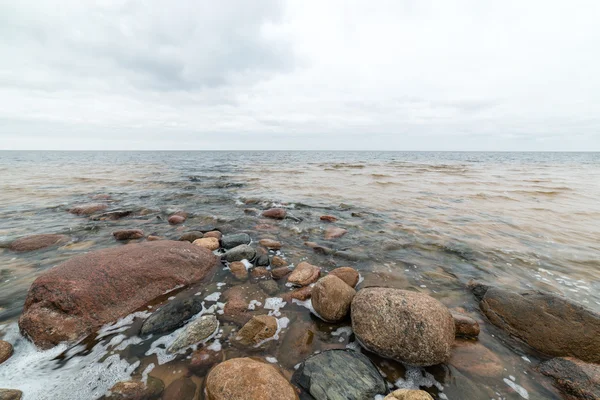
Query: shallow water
[{"x": 426, "y": 221}]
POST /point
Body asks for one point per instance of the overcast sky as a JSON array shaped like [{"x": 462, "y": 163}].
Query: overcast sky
[{"x": 377, "y": 75}]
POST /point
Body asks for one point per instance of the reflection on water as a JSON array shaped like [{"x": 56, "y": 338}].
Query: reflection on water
[{"x": 428, "y": 221}]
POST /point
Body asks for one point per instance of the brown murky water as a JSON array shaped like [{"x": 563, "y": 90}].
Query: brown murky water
[{"x": 424, "y": 221}]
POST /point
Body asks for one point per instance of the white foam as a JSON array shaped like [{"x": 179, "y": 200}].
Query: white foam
[
  {"x": 342, "y": 330},
  {"x": 307, "y": 304},
  {"x": 214, "y": 346},
  {"x": 253, "y": 304},
  {"x": 274, "y": 304},
  {"x": 360, "y": 279},
  {"x": 247, "y": 264},
  {"x": 213, "y": 296},
  {"x": 517, "y": 388},
  {"x": 526, "y": 359},
  {"x": 272, "y": 360},
  {"x": 415, "y": 377}
]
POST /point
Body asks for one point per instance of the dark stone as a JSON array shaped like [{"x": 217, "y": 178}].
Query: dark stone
[
  {"x": 180, "y": 389},
  {"x": 128, "y": 234},
  {"x": 231, "y": 241},
  {"x": 172, "y": 315},
  {"x": 206, "y": 228},
  {"x": 262, "y": 260},
  {"x": 339, "y": 375},
  {"x": 576, "y": 379},
  {"x": 191, "y": 236},
  {"x": 239, "y": 253}
]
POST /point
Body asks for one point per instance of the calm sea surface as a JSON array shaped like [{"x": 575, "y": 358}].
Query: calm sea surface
[{"x": 425, "y": 220}]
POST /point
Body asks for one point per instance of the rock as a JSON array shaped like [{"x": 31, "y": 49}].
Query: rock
[
  {"x": 205, "y": 228},
  {"x": 339, "y": 374},
  {"x": 317, "y": 248},
  {"x": 575, "y": 378},
  {"x": 270, "y": 287},
  {"x": 270, "y": 244},
  {"x": 196, "y": 331},
  {"x": 136, "y": 390},
  {"x": 239, "y": 253},
  {"x": 333, "y": 232},
  {"x": 304, "y": 274},
  {"x": 301, "y": 294},
  {"x": 262, "y": 260},
  {"x": 204, "y": 359},
  {"x": 410, "y": 327},
  {"x": 549, "y": 323},
  {"x": 256, "y": 331},
  {"x": 275, "y": 213},
  {"x": 408, "y": 394},
  {"x": 247, "y": 379},
  {"x": 6, "y": 350},
  {"x": 231, "y": 241},
  {"x": 347, "y": 274},
  {"x": 281, "y": 272},
  {"x": 78, "y": 296},
  {"x": 465, "y": 326},
  {"x": 10, "y": 394},
  {"x": 331, "y": 298},
  {"x": 112, "y": 215},
  {"x": 328, "y": 218},
  {"x": 180, "y": 389},
  {"x": 236, "y": 307},
  {"x": 128, "y": 234},
  {"x": 171, "y": 316},
  {"x": 87, "y": 209},
  {"x": 153, "y": 238},
  {"x": 239, "y": 271},
  {"x": 215, "y": 234},
  {"x": 176, "y": 219},
  {"x": 36, "y": 242},
  {"x": 191, "y": 236},
  {"x": 209, "y": 243},
  {"x": 277, "y": 262},
  {"x": 474, "y": 358},
  {"x": 260, "y": 273}
]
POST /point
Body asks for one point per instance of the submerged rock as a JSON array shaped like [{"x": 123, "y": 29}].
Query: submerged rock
[
  {"x": 476, "y": 359},
  {"x": 6, "y": 350},
  {"x": 10, "y": 394},
  {"x": 203, "y": 359},
  {"x": 239, "y": 253},
  {"x": 277, "y": 262},
  {"x": 195, "y": 332},
  {"x": 176, "y": 219},
  {"x": 331, "y": 298},
  {"x": 281, "y": 272},
  {"x": 36, "y": 242},
  {"x": 333, "y": 232},
  {"x": 270, "y": 244},
  {"x": 209, "y": 243},
  {"x": 78, "y": 296},
  {"x": 256, "y": 331},
  {"x": 247, "y": 379},
  {"x": 328, "y": 218},
  {"x": 236, "y": 307},
  {"x": 547, "y": 322},
  {"x": 275, "y": 213},
  {"x": 410, "y": 327},
  {"x": 239, "y": 270},
  {"x": 191, "y": 236},
  {"x": 347, "y": 274},
  {"x": 301, "y": 294},
  {"x": 172, "y": 315},
  {"x": 136, "y": 390},
  {"x": 128, "y": 234},
  {"x": 465, "y": 326},
  {"x": 180, "y": 389},
  {"x": 87, "y": 209},
  {"x": 262, "y": 260},
  {"x": 269, "y": 286},
  {"x": 304, "y": 274},
  {"x": 231, "y": 241},
  {"x": 339, "y": 374},
  {"x": 408, "y": 394},
  {"x": 575, "y": 378},
  {"x": 260, "y": 273}
]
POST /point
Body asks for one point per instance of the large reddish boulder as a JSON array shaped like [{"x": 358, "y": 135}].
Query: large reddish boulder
[{"x": 76, "y": 297}]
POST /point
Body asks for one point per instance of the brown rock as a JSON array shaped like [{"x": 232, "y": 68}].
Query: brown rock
[
  {"x": 277, "y": 261},
  {"x": 215, "y": 234},
  {"x": 176, "y": 219},
  {"x": 128, "y": 234},
  {"x": 204, "y": 359},
  {"x": 270, "y": 244},
  {"x": 236, "y": 307},
  {"x": 331, "y": 298},
  {"x": 476, "y": 359},
  {"x": 87, "y": 209},
  {"x": 10, "y": 394},
  {"x": 347, "y": 274},
  {"x": 136, "y": 390},
  {"x": 265, "y": 227},
  {"x": 280, "y": 272},
  {"x": 301, "y": 294},
  {"x": 238, "y": 269},
  {"x": 298, "y": 343},
  {"x": 87, "y": 291},
  {"x": 210, "y": 243},
  {"x": 260, "y": 273},
  {"x": 180, "y": 389},
  {"x": 255, "y": 331},
  {"x": 247, "y": 379},
  {"x": 304, "y": 274},
  {"x": 408, "y": 394},
  {"x": 191, "y": 236},
  {"x": 36, "y": 242},
  {"x": 275, "y": 213},
  {"x": 153, "y": 238},
  {"x": 333, "y": 232},
  {"x": 6, "y": 350},
  {"x": 465, "y": 326},
  {"x": 317, "y": 248},
  {"x": 410, "y": 327},
  {"x": 328, "y": 218},
  {"x": 575, "y": 378}
]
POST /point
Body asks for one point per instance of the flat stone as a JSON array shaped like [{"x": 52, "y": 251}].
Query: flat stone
[
  {"x": 87, "y": 209},
  {"x": 270, "y": 244},
  {"x": 239, "y": 271},
  {"x": 191, "y": 236},
  {"x": 331, "y": 298},
  {"x": 333, "y": 232},
  {"x": 209, "y": 243},
  {"x": 239, "y": 253},
  {"x": 304, "y": 274},
  {"x": 465, "y": 326},
  {"x": 574, "y": 378},
  {"x": 347, "y": 274},
  {"x": 256, "y": 331},
  {"x": 328, "y": 218},
  {"x": 171, "y": 316},
  {"x": 128, "y": 234},
  {"x": 36, "y": 242},
  {"x": 136, "y": 390},
  {"x": 474, "y": 358},
  {"x": 231, "y": 241},
  {"x": 408, "y": 394},
  {"x": 275, "y": 213},
  {"x": 195, "y": 332}
]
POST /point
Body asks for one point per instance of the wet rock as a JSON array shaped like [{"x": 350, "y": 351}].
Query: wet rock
[
  {"x": 236, "y": 307},
  {"x": 298, "y": 343},
  {"x": 304, "y": 274},
  {"x": 87, "y": 209},
  {"x": 231, "y": 241},
  {"x": 476, "y": 359},
  {"x": 390, "y": 245},
  {"x": 256, "y": 331},
  {"x": 171, "y": 316},
  {"x": 215, "y": 234},
  {"x": 270, "y": 244},
  {"x": 260, "y": 273},
  {"x": 209, "y": 243},
  {"x": 317, "y": 248},
  {"x": 136, "y": 390},
  {"x": 176, "y": 219},
  {"x": 205, "y": 228},
  {"x": 275, "y": 213},
  {"x": 262, "y": 260},
  {"x": 10, "y": 394},
  {"x": 6, "y": 350},
  {"x": 180, "y": 389},
  {"x": 239, "y": 253},
  {"x": 339, "y": 374},
  {"x": 269, "y": 286},
  {"x": 465, "y": 326},
  {"x": 246, "y": 379},
  {"x": 281, "y": 272},
  {"x": 549, "y": 323},
  {"x": 277, "y": 262},
  {"x": 408, "y": 394},
  {"x": 76, "y": 297},
  {"x": 36, "y": 242},
  {"x": 239, "y": 271},
  {"x": 328, "y": 218},
  {"x": 347, "y": 274},
  {"x": 574, "y": 378},
  {"x": 112, "y": 215},
  {"x": 153, "y": 238},
  {"x": 128, "y": 234},
  {"x": 204, "y": 359},
  {"x": 331, "y": 298},
  {"x": 195, "y": 332},
  {"x": 301, "y": 294},
  {"x": 410, "y": 327},
  {"x": 333, "y": 232},
  {"x": 191, "y": 236}
]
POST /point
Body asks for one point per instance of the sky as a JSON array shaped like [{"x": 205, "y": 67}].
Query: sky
[{"x": 300, "y": 75}]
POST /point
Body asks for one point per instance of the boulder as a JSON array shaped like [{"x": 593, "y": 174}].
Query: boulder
[
  {"x": 239, "y": 271},
  {"x": 203, "y": 360},
  {"x": 275, "y": 213},
  {"x": 347, "y": 274},
  {"x": 78, "y": 296},
  {"x": 239, "y": 253},
  {"x": 136, "y": 389},
  {"x": 333, "y": 232},
  {"x": 304, "y": 274},
  {"x": 410, "y": 327},
  {"x": 36, "y": 242},
  {"x": 10, "y": 394},
  {"x": 256, "y": 331},
  {"x": 191, "y": 236},
  {"x": 547, "y": 322},
  {"x": 6, "y": 350},
  {"x": 339, "y": 374},
  {"x": 575, "y": 378},
  {"x": 465, "y": 326},
  {"x": 87, "y": 209},
  {"x": 331, "y": 298},
  {"x": 270, "y": 244},
  {"x": 128, "y": 234},
  {"x": 209, "y": 243},
  {"x": 231, "y": 241},
  {"x": 247, "y": 379},
  {"x": 171, "y": 316},
  {"x": 195, "y": 332},
  {"x": 408, "y": 394},
  {"x": 180, "y": 389}
]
